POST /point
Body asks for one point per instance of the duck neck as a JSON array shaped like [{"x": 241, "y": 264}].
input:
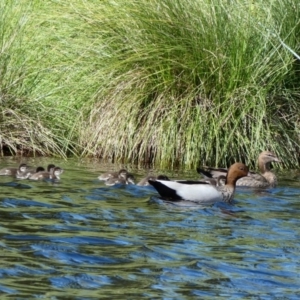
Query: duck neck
[
  {"x": 231, "y": 181},
  {"x": 264, "y": 167}
]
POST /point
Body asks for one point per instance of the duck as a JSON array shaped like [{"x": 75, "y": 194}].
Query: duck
[
  {"x": 265, "y": 179},
  {"x": 201, "y": 192},
  {"x": 123, "y": 177},
  {"x": 53, "y": 174},
  {"x": 107, "y": 175},
  {"x": 29, "y": 171},
  {"x": 145, "y": 180},
  {"x": 12, "y": 171}
]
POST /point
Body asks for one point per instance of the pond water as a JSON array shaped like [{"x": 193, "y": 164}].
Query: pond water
[{"x": 80, "y": 239}]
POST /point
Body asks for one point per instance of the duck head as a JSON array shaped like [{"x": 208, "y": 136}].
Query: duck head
[
  {"x": 50, "y": 167},
  {"x": 22, "y": 168},
  {"x": 56, "y": 172},
  {"x": 235, "y": 172},
  {"x": 123, "y": 174},
  {"x": 130, "y": 179},
  {"x": 265, "y": 159},
  {"x": 39, "y": 169}
]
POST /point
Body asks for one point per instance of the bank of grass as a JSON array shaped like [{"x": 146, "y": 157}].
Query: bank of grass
[{"x": 170, "y": 82}]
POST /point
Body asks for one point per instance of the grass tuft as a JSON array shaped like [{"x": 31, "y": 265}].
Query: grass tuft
[{"x": 168, "y": 82}]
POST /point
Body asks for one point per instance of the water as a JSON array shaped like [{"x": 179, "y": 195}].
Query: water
[{"x": 79, "y": 239}]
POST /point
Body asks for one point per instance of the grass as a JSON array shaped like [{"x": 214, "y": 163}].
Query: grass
[{"x": 168, "y": 82}]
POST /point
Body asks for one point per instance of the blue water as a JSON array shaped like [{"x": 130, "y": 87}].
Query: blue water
[{"x": 79, "y": 239}]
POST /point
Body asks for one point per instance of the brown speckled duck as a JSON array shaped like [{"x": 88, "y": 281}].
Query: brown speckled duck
[
  {"x": 266, "y": 178},
  {"x": 201, "y": 192}
]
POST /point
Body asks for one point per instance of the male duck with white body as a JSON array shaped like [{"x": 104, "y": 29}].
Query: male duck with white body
[
  {"x": 201, "y": 192},
  {"x": 266, "y": 179}
]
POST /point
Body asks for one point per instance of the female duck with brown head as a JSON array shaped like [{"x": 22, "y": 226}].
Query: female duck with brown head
[
  {"x": 201, "y": 192},
  {"x": 266, "y": 179}
]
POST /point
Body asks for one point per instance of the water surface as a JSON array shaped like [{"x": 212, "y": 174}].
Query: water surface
[{"x": 79, "y": 239}]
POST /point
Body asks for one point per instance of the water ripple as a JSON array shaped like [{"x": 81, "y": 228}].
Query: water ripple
[{"x": 79, "y": 239}]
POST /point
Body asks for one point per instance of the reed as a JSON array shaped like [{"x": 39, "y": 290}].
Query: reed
[
  {"x": 168, "y": 82},
  {"x": 197, "y": 82}
]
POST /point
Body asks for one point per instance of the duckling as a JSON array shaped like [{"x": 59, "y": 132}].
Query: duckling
[
  {"x": 107, "y": 175},
  {"x": 53, "y": 174},
  {"x": 11, "y": 171},
  {"x": 144, "y": 181},
  {"x": 28, "y": 172},
  {"x": 201, "y": 192},
  {"x": 266, "y": 179},
  {"x": 123, "y": 178}
]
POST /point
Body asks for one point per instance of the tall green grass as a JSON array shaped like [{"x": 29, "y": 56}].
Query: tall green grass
[
  {"x": 190, "y": 82},
  {"x": 26, "y": 126},
  {"x": 168, "y": 82}
]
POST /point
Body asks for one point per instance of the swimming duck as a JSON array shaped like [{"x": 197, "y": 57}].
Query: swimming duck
[
  {"x": 29, "y": 171},
  {"x": 11, "y": 171},
  {"x": 123, "y": 178},
  {"x": 144, "y": 181},
  {"x": 41, "y": 175},
  {"x": 201, "y": 192},
  {"x": 107, "y": 175},
  {"x": 266, "y": 179}
]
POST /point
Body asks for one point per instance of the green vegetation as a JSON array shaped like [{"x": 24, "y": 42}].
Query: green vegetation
[{"x": 165, "y": 81}]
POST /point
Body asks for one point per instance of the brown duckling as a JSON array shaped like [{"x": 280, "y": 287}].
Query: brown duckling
[
  {"x": 11, "y": 171},
  {"x": 28, "y": 172},
  {"x": 123, "y": 178},
  {"x": 54, "y": 174}
]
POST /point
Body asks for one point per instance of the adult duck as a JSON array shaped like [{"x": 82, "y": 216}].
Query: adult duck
[
  {"x": 201, "y": 192},
  {"x": 266, "y": 178}
]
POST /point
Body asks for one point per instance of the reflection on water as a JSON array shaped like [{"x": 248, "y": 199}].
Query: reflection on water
[{"x": 79, "y": 239}]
